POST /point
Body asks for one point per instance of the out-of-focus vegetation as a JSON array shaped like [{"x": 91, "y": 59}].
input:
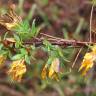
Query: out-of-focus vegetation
[{"x": 66, "y": 19}]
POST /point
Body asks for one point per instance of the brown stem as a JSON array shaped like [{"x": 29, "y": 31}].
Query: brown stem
[
  {"x": 57, "y": 41},
  {"x": 62, "y": 42}
]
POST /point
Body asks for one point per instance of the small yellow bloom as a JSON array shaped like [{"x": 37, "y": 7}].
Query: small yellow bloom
[
  {"x": 86, "y": 64},
  {"x": 10, "y": 26},
  {"x": 88, "y": 60},
  {"x": 10, "y": 20},
  {"x": 54, "y": 69},
  {"x": 51, "y": 71},
  {"x": 17, "y": 70},
  {"x": 44, "y": 72},
  {"x": 2, "y": 60},
  {"x": 94, "y": 49}
]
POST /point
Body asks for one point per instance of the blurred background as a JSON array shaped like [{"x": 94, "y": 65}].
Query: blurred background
[{"x": 67, "y": 19}]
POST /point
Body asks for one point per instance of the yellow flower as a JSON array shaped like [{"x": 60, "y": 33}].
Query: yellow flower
[
  {"x": 88, "y": 60},
  {"x": 10, "y": 20},
  {"x": 2, "y": 60},
  {"x": 54, "y": 69},
  {"x": 44, "y": 72},
  {"x": 17, "y": 70},
  {"x": 87, "y": 63},
  {"x": 94, "y": 49}
]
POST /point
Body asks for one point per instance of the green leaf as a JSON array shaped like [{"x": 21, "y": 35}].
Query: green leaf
[
  {"x": 65, "y": 33},
  {"x": 33, "y": 28},
  {"x": 5, "y": 35},
  {"x": 3, "y": 52},
  {"x": 79, "y": 26},
  {"x": 48, "y": 45},
  {"x": 23, "y": 30},
  {"x": 65, "y": 59},
  {"x": 18, "y": 41},
  {"x": 16, "y": 37},
  {"x": 1, "y": 46},
  {"x": 50, "y": 60},
  {"x": 17, "y": 45},
  {"x": 9, "y": 54},
  {"x": 16, "y": 57},
  {"x": 60, "y": 51},
  {"x": 23, "y": 51},
  {"x": 27, "y": 59}
]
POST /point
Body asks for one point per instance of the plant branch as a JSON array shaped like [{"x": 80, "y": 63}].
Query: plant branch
[
  {"x": 91, "y": 15},
  {"x": 60, "y": 42}
]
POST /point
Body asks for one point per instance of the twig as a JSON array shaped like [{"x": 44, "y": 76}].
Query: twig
[
  {"x": 76, "y": 57},
  {"x": 88, "y": 83},
  {"x": 62, "y": 42},
  {"x": 57, "y": 41},
  {"x": 91, "y": 22},
  {"x": 50, "y": 36}
]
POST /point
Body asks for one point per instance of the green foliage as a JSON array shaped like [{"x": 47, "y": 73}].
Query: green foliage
[
  {"x": 1, "y": 46},
  {"x": 17, "y": 57},
  {"x": 18, "y": 41},
  {"x": 24, "y": 31},
  {"x": 22, "y": 53},
  {"x": 54, "y": 51}
]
